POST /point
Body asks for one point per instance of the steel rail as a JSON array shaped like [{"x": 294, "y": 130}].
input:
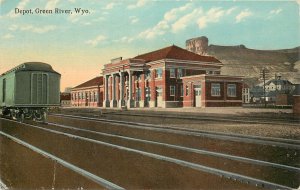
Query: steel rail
[
  {"x": 287, "y": 143},
  {"x": 183, "y": 148},
  {"x": 96, "y": 179},
  {"x": 198, "y": 167},
  {"x": 240, "y": 119},
  {"x": 3, "y": 186}
]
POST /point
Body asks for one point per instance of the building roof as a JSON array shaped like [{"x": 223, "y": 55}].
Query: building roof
[
  {"x": 97, "y": 81},
  {"x": 279, "y": 82},
  {"x": 175, "y": 52},
  {"x": 32, "y": 66}
]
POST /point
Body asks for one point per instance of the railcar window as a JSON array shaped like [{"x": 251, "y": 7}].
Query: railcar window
[{"x": 3, "y": 90}]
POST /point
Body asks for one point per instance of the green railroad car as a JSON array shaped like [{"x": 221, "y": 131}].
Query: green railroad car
[{"x": 28, "y": 90}]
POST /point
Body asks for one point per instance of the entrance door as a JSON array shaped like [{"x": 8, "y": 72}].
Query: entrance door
[
  {"x": 147, "y": 98},
  {"x": 197, "y": 89},
  {"x": 158, "y": 97}
]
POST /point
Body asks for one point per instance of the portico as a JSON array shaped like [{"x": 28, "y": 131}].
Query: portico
[{"x": 120, "y": 89}]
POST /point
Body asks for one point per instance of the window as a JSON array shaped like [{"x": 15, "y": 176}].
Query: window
[
  {"x": 197, "y": 90},
  {"x": 158, "y": 73},
  {"x": 172, "y": 73},
  {"x": 148, "y": 93},
  {"x": 138, "y": 77},
  {"x": 231, "y": 90},
  {"x": 148, "y": 74},
  {"x": 215, "y": 89},
  {"x": 172, "y": 90},
  {"x": 179, "y": 73},
  {"x": 181, "y": 90},
  {"x": 187, "y": 90},
  {"x": 138, "y": 94},
  {"x": 96, "y": 97},
  {"x": 209, "y": 72}
]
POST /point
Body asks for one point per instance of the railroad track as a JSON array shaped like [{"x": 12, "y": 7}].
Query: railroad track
[
  {"x": 281, "y": 142},
  {"x": 274, "y": 119},
  {"x": 195, "y": 166},
  {"x": 240, "y": 119},
  {"x": 102, "y": 182}
]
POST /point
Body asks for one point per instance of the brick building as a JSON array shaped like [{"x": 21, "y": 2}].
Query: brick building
[
  {"x": 169, "y": 77},
  {"x": 65, "y": 99},
  {"x": 88, "y": 94}
]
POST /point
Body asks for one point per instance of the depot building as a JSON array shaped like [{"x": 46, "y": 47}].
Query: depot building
[{"x": 169, "y": 77}]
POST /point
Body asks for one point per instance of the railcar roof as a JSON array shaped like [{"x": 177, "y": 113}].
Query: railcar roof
[{"x": 32, "y": 66}]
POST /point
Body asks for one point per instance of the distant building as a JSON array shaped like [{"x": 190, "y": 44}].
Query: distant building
[
  {"x": 169, "y": 77},
  {"x": 296, "y": 100},
  {"x": 68, "y": 89},
  {"x": 279, "y": 85},
  {"x": 65, "y": 99},
  {"x": 88, "y": 94},
  {"x": 277, "y": 91}
]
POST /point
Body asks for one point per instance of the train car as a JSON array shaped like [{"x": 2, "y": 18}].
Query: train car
[{"x": 28, "y": 90}]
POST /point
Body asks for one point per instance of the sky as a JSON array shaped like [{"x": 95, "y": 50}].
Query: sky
[{"x": 78, "y": 45}]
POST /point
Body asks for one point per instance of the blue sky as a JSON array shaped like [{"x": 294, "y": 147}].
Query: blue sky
[{"x": 78, "y": 45}]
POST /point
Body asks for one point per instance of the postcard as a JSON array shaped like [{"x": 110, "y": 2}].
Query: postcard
[{"x": 149, "y": 94}]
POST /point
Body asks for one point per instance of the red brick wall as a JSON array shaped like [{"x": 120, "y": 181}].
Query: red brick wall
[
  {"x": 88, "y": 102},
  {"x": 152, "y": 86},
  {"x": 296, "y": 106},
  {"x": 188, "y": 100}
]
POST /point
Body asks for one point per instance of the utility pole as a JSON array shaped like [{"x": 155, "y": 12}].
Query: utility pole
[
  {"x": 263, "y": 73},
  {"x": 264, "y": 77}
]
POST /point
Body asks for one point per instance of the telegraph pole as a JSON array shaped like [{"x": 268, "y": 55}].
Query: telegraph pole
[
  {"x": 264, "y": 77},
  {"x": 263, "y": 73}
]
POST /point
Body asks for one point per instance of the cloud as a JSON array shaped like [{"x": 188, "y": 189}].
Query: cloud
[
  {"x": 21, "y": 5},
  {"x": 31, "y": 28},
  {"x": 51, "y": 4},
  {"x": 109, "y": 6},
  {"x": 13, "y": 27},
  {"x": 243, "y": 14},
  {"x": 133, "y": 19},
  {"x": 126, "y": 39},
  {"x": 213, "y": 15},
  {"x": 8, "y": 36},
  {"x": 275, "y": 11},
  {"x": 184, "y": 21},
  {"x": 173, "y": 13},
  {"x": 138, "y": 4},
  {"x": 159, "y": 29},
  {"x": 96, "y": 41},
  {"x": 162, "y": 26}
]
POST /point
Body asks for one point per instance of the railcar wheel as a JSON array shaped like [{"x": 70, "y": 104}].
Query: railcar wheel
[
  {"x": 37, "y": 115},
  {"x": 40, "y": 115},
  {"x": 28, "y": 113},
  {"x": 20, "y": 117},
  {"x": 13, "y": 114}
]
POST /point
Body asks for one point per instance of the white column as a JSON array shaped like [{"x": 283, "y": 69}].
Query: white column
[
  {"x": 113, "y": 102},
  {"x": 106, "y": 101},
  {"x": 130, "y": 102},
  {"x": 121, "y": 87}
]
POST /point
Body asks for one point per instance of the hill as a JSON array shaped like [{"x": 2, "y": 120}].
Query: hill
[
  {"x": 239, "y": 60},
  {"x": 242, "y": 61}
]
